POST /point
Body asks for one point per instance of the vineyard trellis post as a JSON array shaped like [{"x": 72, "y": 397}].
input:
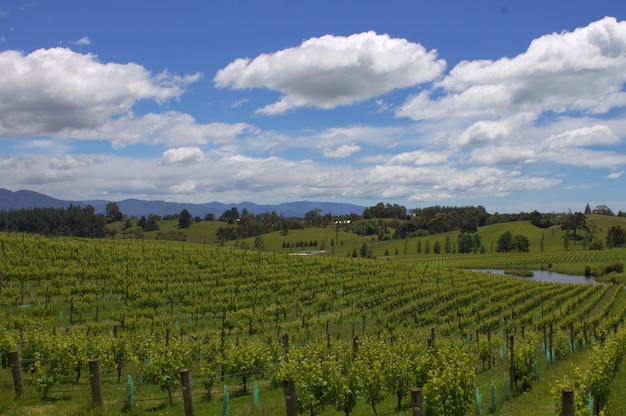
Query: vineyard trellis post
[
  {"x": 291, "y": 401},
  {"x": 417, "y": 401},
  {"x": 567, "y": 399},
  {"x": 16, "y": 366},
  {"x": 286, "y": 347},
  {"x": 185, "y": 379},
  {"x": 96, "y": 383},
  {"x": 512, "y": 364}
]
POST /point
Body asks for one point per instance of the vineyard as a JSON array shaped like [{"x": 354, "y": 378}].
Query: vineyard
[{"x": 355, "y": 335}]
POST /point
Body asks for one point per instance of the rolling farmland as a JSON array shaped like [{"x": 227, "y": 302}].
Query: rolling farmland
[{"x": 148, "y": 308}]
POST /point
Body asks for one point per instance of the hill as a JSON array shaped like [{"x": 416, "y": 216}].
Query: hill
[{"x": 10, "y": 200}]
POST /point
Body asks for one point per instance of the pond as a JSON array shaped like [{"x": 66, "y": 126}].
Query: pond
[{"x": 546, "y": 276}]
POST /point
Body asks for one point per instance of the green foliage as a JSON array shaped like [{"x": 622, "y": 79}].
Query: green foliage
[
  {"x": 185, "y": 219},
  {"x": 162, "y": 363},
  {"x": 507, "y": 243},
  {"x": 616, "y": 236},
  {"x": 525, "y": 359},
  {"x": 451, "y": 381}
]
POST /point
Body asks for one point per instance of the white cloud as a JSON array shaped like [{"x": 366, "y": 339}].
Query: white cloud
[
  {"x": 615, "y": 175},
  {"x": 584, "y": 136},
  {"x": 182, "y": 156},
  {"x": 238, "y": 177},
  {"x": 436, "y": 183},
  {"x": 484, "y": 132},
  {"x": 418, "y": 157},
  {"x": 331, "y": 71},
  {"x": 50, "y": 90},
  {"x": 342, "y": 151},
  {"x": 82, "y": 41},
  {"x": 570, "y": 147},
  {"x": 571, "y": 71},
  {"x": 170, "y": 128},
  {"x": 67, "y": 162}
]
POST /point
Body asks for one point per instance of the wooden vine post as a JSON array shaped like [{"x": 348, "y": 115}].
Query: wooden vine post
[
  {"x": 567, "y": 399},
  {"x": 512, "y": 364},
  {"x": 96, "y": 383},
  {"x": 185, "y": 379},
  {"x": 417, "y": 401},
  {"x": 16, "y": 366},
  {"x": 291, "y": 401}
]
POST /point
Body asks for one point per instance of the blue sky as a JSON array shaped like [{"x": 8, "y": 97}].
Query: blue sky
[{"x": 508, "y": 104}]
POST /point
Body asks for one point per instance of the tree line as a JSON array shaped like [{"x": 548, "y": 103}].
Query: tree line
[{"x": 72, "y": 221}]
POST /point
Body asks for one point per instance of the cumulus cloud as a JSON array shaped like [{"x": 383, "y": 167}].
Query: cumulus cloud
[
  {"x": 50, "y": 90},
  {"x": 171, "y": 128},
  {"x": 82, "y": 41},
  {"x": 331, "y": 71},
  {"x": 581, "y": 70},
  {"x": 342, "y": 151},
  {"x": 484, "y": 132},
  {"x": 418, "y": 157},
  {"x": 575, "y": 147},
  {"x": 438, "y": 182},
  {"x": 584, "y": 136},
  {"x": 67, "y": 162},
  {"x": 182, "y": 156}
]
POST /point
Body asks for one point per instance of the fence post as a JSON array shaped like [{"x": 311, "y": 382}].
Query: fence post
[
  {"x": 289, "y": 387},
  {"x": 96, "y": 383},
  {"x": 567, "y": 397},
  {"x": 286, "y": 347},
  {"x": 185, "y": 379},
  {"x": 512, "y": 364},
  {"x": 417, "y": 401},
  {"x": 131, "y": 392},
  {"x": 16, "y": 366}
]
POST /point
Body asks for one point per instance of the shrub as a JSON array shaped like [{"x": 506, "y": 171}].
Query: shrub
[{"x": 614, "y": 267}]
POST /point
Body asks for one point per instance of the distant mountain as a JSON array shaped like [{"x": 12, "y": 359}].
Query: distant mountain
[{"x": 10, "y": 200}]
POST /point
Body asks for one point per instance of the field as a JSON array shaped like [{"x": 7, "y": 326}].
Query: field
[{"x": 355, "y": 334}]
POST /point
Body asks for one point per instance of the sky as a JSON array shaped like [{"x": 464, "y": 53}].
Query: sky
[{"x": 513, "y": 105}]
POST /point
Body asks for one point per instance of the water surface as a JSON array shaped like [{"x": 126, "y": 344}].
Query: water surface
[{"x": 546, "y": 276}]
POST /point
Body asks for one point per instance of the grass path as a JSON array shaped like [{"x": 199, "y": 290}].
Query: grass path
[{"x": 538, "y": 400}]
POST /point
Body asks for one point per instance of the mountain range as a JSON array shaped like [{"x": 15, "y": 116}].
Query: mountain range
[{"x": 10, "y": 200}]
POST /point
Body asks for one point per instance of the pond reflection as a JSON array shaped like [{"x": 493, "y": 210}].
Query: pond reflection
[{"x": 546, "y": 276}]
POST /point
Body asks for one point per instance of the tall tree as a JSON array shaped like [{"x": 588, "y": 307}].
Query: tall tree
[
  {"x": 574, "y": 222},
  {"x": 184, "y": 219},
  {"x": 113, "y": 213},
  {"x": 505, "y": 243},
  {"x": 616, "y": 236}
]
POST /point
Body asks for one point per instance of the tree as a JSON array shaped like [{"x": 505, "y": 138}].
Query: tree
[
  {"x": 521, "y": 243},
  {"x": 505, "y": 243},
  {"x": 587, "y": 209},
  {"x": 364, "y": 250},
  {"x": 151, "y": 223},
  {"x": 230, "y": 216},
  {"x": 259, "y": 244},
  {"x": 616, "y": 237},
  {"x": 469, "y": 242},
  {"x": 574, "y": 222},
  {"x": 437, "y": 247},
  {"x": 184, "y": 219},
  {"x": 113, "y": 213}
]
